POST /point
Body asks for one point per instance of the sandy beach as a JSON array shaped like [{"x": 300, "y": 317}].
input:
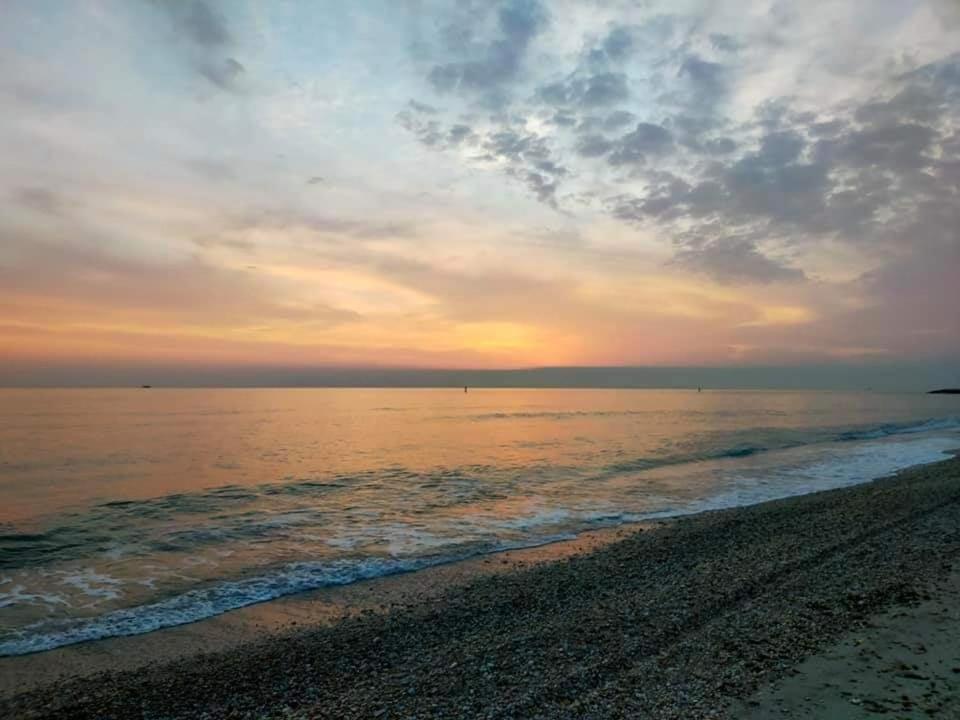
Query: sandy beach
[{"x": 835, "y": 604}]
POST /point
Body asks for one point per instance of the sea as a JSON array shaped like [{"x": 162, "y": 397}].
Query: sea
[{"x": 125, "y": 511}]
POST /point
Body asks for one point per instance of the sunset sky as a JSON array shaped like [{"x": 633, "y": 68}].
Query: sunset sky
[{"x": 478, "y": 184}]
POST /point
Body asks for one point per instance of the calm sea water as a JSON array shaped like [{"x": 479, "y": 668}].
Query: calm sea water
[{"x": 124, "y": 511}]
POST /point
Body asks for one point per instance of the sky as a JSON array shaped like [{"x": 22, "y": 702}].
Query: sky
[{"x": 494, "y": 184}]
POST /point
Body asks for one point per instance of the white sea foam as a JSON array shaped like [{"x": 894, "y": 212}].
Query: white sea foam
[
  {"x": 200, "y": 603},
  {"x": 827, "y": 470},
  {"x": 18, "y": 595},
  {"x": 93, "y": 584},
  {"x": 206, "y": 602}
]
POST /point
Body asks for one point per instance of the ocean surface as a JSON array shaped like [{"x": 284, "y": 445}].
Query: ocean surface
[{"x": 125, "y": 511}]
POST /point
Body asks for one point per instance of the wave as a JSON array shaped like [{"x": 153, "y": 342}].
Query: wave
[
  {"x": 549, "y": 523},
  {"x": 769, "y": 439},
  {"x": 574, "y": 414},
  {"x": 245, "y": 512},
  {"x": 887, "y": 429},
  {"x": 203, "y": 603},
  {"x": 841, "y": 469}
]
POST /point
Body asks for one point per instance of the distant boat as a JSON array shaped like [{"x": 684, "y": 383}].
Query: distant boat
[
  {"x": 945, "y": 391},
  {"x": 146, "y": 387}
]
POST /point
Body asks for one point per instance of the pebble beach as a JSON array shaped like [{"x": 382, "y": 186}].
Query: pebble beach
[{"x": 686, "y": 620}]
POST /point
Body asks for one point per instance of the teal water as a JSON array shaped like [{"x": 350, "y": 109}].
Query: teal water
[{"x": 124, "y": 511}]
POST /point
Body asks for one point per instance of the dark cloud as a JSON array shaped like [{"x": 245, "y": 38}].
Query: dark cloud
[
  {"x": 199, "y": 22},
  {"x": 459, "y": 133},
  {"x": 222, "y": 73},
  {"x": 40, "y": 200},
  {"x": 433, "y": 133},
  {"x": 564, "y": 119},
  {"x": 881, "y": 173},
  {"x": 619, "y": 43},
  {"x": 699, "y": 133},
  {"x": 726, "y": 43},
  {"x": 646, "y": 139},
  {"x": 543, "y": 186},
  {"x": 205, "y": 32},
  {"x": 593, "y": 146},
  {"x": 422, "y": 107},
  {"x": 515, "y": 146},
  {"x": 827, "y": 128},
  {"x": 528, "y": 159},
  {"x": 605, "y": 88},
  {"x": 943, "y": 74},
  {"x": 920, "y": 103},
  {"x": 670, "y": 197},
  {"x": 773, "y": 113},
  {"x": 524, "y": 156},
  {"x": 722, "y": 189},
  {"x": 780, "y": 148},
  {"x": 758, "y": 185},
  {"x": 895, "y": 146},
  {"x": 497, "y": 61},
  {"x": 719, "y": 146},
  {"x": 736, "y": 260},
  {"x": 618, "y": 119},
  {"x": 709, "y": 79}
]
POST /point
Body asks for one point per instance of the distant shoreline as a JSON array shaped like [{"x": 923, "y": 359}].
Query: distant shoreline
[
  {"x": 891, "y": 377},
  {"x": 678, "y": 621},
  {"x": 488, "y": 386}
]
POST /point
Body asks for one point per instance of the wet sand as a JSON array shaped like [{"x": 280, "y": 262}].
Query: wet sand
[{"x": 709, "y": 616}]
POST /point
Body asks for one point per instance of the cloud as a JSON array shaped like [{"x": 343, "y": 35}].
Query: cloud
[
  {"x": 223, "y": 73},
  {"x": 527, "y": 158},
  {"x": 709, "y": 79},
  {"x": 618, "y": 119},
  {"x": 646, "y": 139},
  {"x": 726, "y": 43},
  {"x": 53, "y": 277},
  {"x": 605, "y": 88},
  {"x": 493, "y": 63},
  {"x": 619, "y": 43},
  {"x": 323, "y": 225},
  {"x": 811, "y": 157},
  {"x": 780, "y": 174},
  {"x": 199, "y": 22},
  {"x": 522, "y": 155},
  {"x": 207, "y": 38},
  {"x": 736, "y": 260},
  {"x": 423, "y": 108},
  {"x": 42, "y": 200},
  {"x": 593, "y": 146},
  {"x": 895, "y": 146}
]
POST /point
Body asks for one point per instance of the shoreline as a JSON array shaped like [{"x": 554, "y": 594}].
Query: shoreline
[
  {"x": 640, "y": 616},
  {"x": 275, "y": 618},
  {"x": 332, "y": 609}
]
